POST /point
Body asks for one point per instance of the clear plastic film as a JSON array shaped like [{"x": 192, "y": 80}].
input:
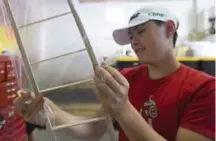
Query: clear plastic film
[
  {"x": 48, "y": 62},
  {"x": 12, "y": 125}
]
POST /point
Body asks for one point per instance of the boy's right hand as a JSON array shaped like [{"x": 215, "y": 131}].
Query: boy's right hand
[{"x": 30, "y": 107}]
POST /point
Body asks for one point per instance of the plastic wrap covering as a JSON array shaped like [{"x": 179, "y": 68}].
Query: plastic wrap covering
[
  {"x": 43, "y": 40},
  {"x": 12, "y": 126},
  {"x": 51, "y": 60}
]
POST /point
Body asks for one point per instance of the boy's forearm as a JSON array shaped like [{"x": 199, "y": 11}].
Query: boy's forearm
[{"x": 135, "y": 127}]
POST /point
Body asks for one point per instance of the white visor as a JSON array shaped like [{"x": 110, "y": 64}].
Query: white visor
[{"x": 142, "y": 16}]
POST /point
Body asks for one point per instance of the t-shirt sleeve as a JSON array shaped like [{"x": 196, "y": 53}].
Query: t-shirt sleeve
[
  {"x": 199, "y": 115},
  {"x": 128, "y": 72},
  {"x": 124, "y": 71}
]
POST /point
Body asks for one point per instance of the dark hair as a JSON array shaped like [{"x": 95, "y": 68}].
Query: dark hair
[{"x": 175, "y": 36}]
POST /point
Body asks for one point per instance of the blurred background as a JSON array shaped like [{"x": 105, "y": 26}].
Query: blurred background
[{"x": 48, "y": 38}]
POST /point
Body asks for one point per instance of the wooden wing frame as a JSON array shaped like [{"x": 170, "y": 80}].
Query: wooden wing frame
[{"x": 28, "y": 66}]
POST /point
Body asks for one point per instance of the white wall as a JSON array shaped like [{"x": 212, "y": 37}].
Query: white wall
[
  {"x": 205, "y": 10},
  {"x": 100, "y": 19},
  {"x": 95, "y": 21},
  {"x": 100, "y": 27}
]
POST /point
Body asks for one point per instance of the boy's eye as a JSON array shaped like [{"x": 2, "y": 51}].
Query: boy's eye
[{"x": 140, "y": 31}]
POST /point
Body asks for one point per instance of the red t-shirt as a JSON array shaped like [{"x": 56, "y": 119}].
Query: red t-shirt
[{"x": 186, "y": 98}]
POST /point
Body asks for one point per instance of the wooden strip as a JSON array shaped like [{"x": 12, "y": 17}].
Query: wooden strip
[{"x": 78, "y": 123}]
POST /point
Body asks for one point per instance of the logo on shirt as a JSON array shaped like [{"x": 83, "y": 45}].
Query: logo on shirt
[{"x": 149, "y": 110}]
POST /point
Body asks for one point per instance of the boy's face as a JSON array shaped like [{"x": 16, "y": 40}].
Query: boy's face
[{"x": 151, "y": 42}]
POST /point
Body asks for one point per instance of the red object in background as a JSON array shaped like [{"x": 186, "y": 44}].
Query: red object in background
[
  {"x": 12, "y": 126},
  {"x": 8, "y": 82}
]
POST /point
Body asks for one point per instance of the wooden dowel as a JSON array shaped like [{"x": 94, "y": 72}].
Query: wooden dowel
[
  {"x": 56, "y": 57},
  {"x": 43, "y": 20},
  {"x": 78, "y": 123},
  {"x": 25, "y": 60},
  {"x": 93, "y": 58},
  {"x": 65, "y": 86}
]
